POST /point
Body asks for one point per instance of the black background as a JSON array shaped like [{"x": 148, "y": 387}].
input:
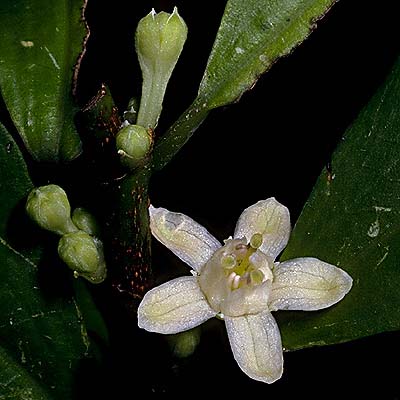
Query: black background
[{"x": 274, "y": 142}]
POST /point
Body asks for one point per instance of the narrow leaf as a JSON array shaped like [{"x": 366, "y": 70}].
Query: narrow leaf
[
  {"x": 40, "y": 41},
  {"x": 252, "y": 36},
  {"x": 352, "y": 220}
]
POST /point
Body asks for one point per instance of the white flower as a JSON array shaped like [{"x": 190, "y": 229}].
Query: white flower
[{"x": 241, "y": 281}]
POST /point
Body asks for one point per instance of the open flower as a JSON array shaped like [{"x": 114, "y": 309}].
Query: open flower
[{"x": 239, "y": 281}]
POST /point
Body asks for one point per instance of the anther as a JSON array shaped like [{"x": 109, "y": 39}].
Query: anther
[
  {"x": 256, "y": 277},
  {"x": 228, "y": 261},
  {"x": 256, "y": 240}
]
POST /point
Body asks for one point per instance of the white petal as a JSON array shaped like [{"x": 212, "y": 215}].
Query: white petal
[
  {"x": 256, "y": 345},
  {"x": 271, "y": 219},
  {"x": 174, "y": 306},
  {"x": 187, "y": 239},
  {"x": 307, "y": 284}
]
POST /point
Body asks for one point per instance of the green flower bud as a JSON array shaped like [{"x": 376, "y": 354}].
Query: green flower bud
[
  {"x": 159, "y": 41},
  {"x": 134, "y": 144},
  {"x": 79, "y": 252},
  {"x": 184, "y": 344},
  {"x": 85, "y": 221},
  {"x": 84, "y": 255},
  {"x": 49, "y": 207}
]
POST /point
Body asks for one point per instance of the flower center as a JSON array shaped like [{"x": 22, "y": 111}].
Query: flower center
[
  {"x": 237, "y": 278},
  {"x": 240, "y": 264}
]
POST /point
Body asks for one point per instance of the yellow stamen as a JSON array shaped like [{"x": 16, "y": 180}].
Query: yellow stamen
[{"x": 256, "y": 240}]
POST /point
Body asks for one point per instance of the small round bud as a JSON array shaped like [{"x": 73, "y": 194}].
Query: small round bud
[
  {"x": 79, "y": 252},
  {"x": 85, "y": 221},
  {"x": 84, "y": 255},
  {"x": 49, "y": 207},
  {"x": 184, "y": 344},
  {"x": 134, "y": 144}
]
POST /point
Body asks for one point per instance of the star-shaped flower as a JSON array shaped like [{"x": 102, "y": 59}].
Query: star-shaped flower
[{"x": 239, "y": 281}]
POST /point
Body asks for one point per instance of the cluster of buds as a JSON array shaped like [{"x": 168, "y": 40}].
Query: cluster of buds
[{"x": 79, "y": 246}]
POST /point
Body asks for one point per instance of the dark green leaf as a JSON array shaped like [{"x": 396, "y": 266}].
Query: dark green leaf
[
  {"x": 40, "y": 41},
  {"x": 93, "y": 319},
  {"x": 43, "y": 332},
  {"x": 41, "y": 329},
  {"x": 253, "y": 35},
  {"x": 352, "y": 220},
  {"x": 16, "y": 383},
  {"x": 14, "y": 180}
]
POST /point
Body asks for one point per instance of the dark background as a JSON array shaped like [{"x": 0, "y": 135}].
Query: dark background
[{"x": 274, "y": 142}]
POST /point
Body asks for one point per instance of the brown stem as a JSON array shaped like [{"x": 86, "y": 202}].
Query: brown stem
[{"x": 131, "y": 238}]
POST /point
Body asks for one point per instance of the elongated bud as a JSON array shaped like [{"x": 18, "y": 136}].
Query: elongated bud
[
  {"x": 134, "y": 144},
  {"x": 49, "y": 207},
  {"x": 85, "y": 221},
  {"x": 84, "y": 255},
  {"x": 184, "y": 344},
  {"x": 159, "y": 41}
]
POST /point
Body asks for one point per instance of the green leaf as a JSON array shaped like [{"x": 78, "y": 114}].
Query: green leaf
[
  {"x": 41, "y": 330},
  {"x": 16, "y": 383},
  {"x": 252, "y": 36},
  {"x": 40, "y": 41},
  {"x": 94, "y": 321},
  {"x": 14, "y": 180},
  {"x": 45, "y": 335},
  {"x": 352, "y": 220}
]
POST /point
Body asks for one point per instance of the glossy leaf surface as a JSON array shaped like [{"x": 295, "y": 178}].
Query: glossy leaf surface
[
  {"x": 352, "y": 220},
  {"x": 40, "y": 42}
]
